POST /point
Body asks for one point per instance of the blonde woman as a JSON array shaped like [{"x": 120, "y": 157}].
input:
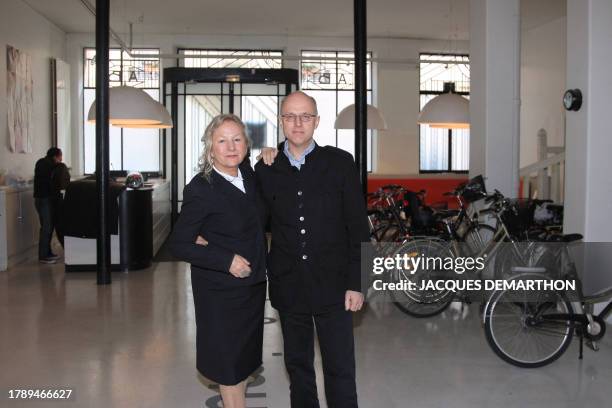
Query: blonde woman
[{"x": 228, "y": 273}]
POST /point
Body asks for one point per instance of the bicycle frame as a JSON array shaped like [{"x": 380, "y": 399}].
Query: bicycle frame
[
  {"x": 398, "y": 221},
  {"x": 587, "y": 304},
  {"x": 501, "y": 235}
]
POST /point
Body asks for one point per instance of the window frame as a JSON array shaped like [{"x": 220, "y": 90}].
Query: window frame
[
  {"x": 450, "y": 131},
  {"x": 160, "y": 171},
  {"x": 369, "y": 90},
  {"x": 180, "y": 62}
]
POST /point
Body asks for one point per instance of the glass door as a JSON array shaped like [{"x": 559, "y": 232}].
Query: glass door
[
  {"x": 196, "y": 95},
  {"x": 257, "y": 104}
]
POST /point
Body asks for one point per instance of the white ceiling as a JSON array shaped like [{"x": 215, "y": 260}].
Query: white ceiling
[
  {"x": 401, "y": 18},
  {"x": 386, "y": 18}
]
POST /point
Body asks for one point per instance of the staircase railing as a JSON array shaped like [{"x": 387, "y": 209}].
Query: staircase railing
[{"x": 548, "y": 172}]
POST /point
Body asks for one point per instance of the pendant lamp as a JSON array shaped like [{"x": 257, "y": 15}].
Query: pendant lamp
[
  {"x": 166, "y": 120},
  {"x": 346, "y": 118},
  {"x": 448, "y": 110},
  {"x": 134, "y": 108}
]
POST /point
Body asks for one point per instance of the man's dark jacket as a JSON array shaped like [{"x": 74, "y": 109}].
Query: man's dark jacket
[
  {"x": 318, "y": 221},
  {"x": 42, "y": 177}
]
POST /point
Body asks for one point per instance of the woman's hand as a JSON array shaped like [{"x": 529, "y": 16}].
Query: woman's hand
[
  {"x": 201, "y": 241},
  {"x": 240, "y": 267},
  {"x": 268, "y": 154}
]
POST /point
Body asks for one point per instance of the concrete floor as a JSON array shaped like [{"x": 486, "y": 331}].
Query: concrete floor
[{"x": 131, "y": 344}]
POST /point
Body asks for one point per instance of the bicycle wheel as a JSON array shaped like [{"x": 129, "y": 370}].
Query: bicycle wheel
[
  {"x": 416, "y": 302},
  {"x": 531, "y": 329},
  {"x": 478, "y": 236}
]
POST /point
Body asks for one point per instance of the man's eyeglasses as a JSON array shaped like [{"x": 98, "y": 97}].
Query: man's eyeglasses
[{"x": 304, "y": 117}]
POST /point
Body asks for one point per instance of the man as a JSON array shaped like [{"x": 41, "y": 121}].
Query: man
[
  {"x": 318, "y": 221},
  {"x": 45, "y": 200}
]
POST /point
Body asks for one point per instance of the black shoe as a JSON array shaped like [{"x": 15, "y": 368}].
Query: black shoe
[
  {"x": 47, "y": 260},
  {"x": 53, "y": 256}
]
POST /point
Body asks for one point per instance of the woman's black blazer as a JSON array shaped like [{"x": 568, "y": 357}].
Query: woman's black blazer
[{"x": 228, "y": 219}]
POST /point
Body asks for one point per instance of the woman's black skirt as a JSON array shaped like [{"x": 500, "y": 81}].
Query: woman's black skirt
[{"x": 229, "y": 330}]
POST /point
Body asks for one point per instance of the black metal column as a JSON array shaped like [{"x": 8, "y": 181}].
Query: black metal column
[
  {"x": 174, "y": 151},
  {"x": 164, "y": 170},
  {"x": 361, "y": 147},
  {"x": 103, "y": 249},
  {"x": 231, "y": 97}
]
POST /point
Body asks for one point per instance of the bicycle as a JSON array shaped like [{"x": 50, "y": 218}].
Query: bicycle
[
  {"x": 426, "y": 303},
  {"x": 386, "y": 215},
  {"x": 534, "y": 329}
]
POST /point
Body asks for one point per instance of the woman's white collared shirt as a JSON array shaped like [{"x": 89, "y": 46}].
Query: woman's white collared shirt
[{"x": 237, "y": 181}]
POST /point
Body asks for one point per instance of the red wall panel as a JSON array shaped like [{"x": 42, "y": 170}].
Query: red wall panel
[{"x": 435, "y": 187}]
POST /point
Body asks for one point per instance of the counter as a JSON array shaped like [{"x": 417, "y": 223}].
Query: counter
[{"x": 143, "y": 225}]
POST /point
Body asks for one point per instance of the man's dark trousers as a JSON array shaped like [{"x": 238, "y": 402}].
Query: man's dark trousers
[
  {"x": 45, "y": 215},
  {"x": 335, "y": 334}
]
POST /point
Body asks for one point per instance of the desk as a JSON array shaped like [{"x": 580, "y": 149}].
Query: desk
[{"x": 144, "y": 224}]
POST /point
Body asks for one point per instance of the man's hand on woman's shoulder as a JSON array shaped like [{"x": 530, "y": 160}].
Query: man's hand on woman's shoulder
[{"x": 268, "y": 154}]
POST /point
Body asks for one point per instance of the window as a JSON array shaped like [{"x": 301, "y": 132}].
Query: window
[
  {"x": 239, "y": 59},
  {"x": 331, "y": 83},
  {"x": 199, "y": 111},
  {"x": 443, "y": 150},
  {"x": 130, "y": 149}
]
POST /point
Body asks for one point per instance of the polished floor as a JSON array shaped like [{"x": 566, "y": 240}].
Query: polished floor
[{"x": 131, "y": 344}]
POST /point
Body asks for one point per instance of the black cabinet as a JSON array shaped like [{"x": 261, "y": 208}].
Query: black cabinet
[{"x": 136, "y": 228}]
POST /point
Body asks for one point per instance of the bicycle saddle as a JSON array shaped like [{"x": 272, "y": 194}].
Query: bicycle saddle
[
  {"x": 572, "y": 237},
  {"x": 564, "y": 238}
]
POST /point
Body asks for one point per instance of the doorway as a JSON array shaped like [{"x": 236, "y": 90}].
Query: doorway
[{"x": 196, "y": 95}]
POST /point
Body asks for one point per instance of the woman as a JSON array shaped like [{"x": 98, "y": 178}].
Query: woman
[{"x": 228, "y": 269}]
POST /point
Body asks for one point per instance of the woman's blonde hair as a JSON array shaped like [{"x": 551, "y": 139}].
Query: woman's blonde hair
[{"x": 206, "y": 161}]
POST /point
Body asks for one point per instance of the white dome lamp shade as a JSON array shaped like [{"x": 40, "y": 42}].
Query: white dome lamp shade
[
  {"x": 166, "y": 120},
  {"x": 346, "y": 118},
  {"x": 448, "y": 110},
  {"x": 132, "y": 107}
]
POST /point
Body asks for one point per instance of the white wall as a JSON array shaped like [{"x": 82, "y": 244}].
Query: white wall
[
  {"x": 25, "y": 29},
  {"x": 396, "y": 93},
  {"x": 495, "y": 93},
  {"x": 478, "y": 163},
  {"x": 398, "y": 147},
  {"x": 598, "y": 140},
  {"x": 543, "y": 63},
  {"x": 588, "y": 189}
]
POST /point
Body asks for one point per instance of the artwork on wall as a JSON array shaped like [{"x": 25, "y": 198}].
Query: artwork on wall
[{"x": 19, "y": 99}]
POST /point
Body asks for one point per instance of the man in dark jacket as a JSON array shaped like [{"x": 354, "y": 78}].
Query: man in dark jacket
[
  {"x": 45, "y": 197},
  {"x": 318, "y": 220}
]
